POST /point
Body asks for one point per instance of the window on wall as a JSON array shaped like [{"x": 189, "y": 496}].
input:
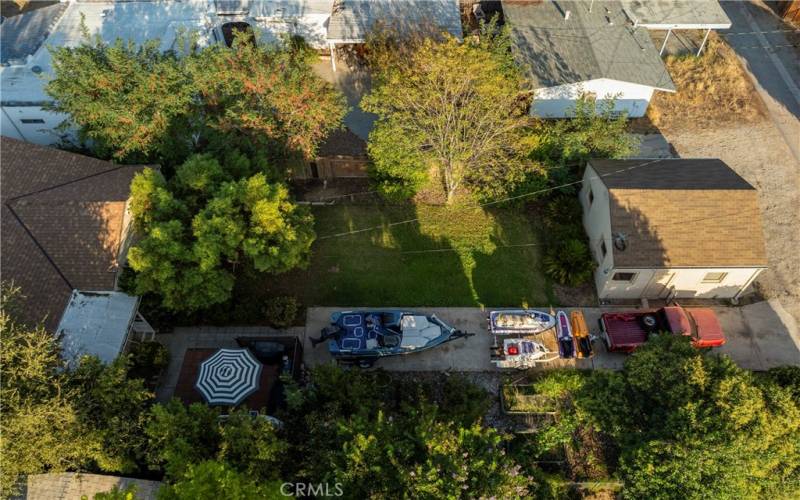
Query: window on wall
[
  {"x": 590, "y": 197},
  {"x": 31, "y": 120},
  {"x": 603, "y": 249},
  {"x": 627, "y": 277},
  {"x": 714, "y": 277}
]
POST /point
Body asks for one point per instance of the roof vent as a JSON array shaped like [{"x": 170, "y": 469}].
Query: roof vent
[
  {"x": 620, "y": 241},
  {"x": 36, "y": 69},
  {"x": 566, "y": 15}
]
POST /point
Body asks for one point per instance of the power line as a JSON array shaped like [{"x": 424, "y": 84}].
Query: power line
[
  {"x": 452, "y": 249},
  {"x": 495, "y": 202}
]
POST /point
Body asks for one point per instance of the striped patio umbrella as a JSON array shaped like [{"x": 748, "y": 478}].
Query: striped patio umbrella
[{"x": 228, "y": 377}]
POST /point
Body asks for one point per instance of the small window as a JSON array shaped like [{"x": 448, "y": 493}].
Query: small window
[
  {"x": 32, "y": 120},
  {"x": 603, "y": 249},
  {"x": 590, "y": 197},
  {"x": 628, "y": 277},
  {"x": 714, "y": 277}
]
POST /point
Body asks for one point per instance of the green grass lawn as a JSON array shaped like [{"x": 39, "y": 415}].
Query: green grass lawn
[{"x": 389, "y": 266}]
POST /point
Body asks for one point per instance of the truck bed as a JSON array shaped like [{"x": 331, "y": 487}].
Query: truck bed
[{"x": 623, "y": 331}]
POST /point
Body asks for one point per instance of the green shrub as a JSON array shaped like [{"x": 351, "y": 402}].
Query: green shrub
[
  {"x": 148, "y": 359},
  {"x": 569, "y": 262},
  {"x": 281, "y": 312}
]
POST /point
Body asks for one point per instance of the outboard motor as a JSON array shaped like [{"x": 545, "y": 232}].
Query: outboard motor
[{"x": 329, "y": 332}]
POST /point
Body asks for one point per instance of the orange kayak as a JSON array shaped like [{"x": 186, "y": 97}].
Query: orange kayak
[{"x": 583, "y": 343}]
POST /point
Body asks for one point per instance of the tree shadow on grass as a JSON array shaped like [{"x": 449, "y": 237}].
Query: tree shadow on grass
[
  {"x": 511, "y": 275},
  {"x": 372, "y": 268}
]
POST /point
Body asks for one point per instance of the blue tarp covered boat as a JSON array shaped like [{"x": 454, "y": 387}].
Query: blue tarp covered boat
[{"x": 363, "y": 337}]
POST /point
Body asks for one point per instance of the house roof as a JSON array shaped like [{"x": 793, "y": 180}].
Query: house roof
[
  {"x": 682, "y": 213},
  {"x": 352, "y": 20},
  {"x": 587, "y": 46},
  {"x": 677, "y": 14},
  {"x": 23, "y": 34},
  {"x": 342, "y": 142},
  {"x": 96, "y": 323},
  {"x": 62, "y": 221},
  {"x": 137, "y": 21}
]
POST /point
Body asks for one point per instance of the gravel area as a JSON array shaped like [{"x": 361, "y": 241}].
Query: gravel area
[{"x": 760, "y": 155}]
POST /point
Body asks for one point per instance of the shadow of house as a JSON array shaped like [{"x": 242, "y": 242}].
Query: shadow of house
[
  {"x": 671, "y": 228},
  {"x": 65, "y": 225}
]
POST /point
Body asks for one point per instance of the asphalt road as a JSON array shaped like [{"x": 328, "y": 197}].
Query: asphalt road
[{"x": 770, "y": 53}]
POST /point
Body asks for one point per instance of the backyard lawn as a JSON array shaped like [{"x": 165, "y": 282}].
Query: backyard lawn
[{"x": 449, "y": 257}]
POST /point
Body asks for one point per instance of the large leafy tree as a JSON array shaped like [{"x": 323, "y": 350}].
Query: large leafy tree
[
  {"x": 58, "y": 417},
  {"x": 688, "y": 425},
  {"x": 450, "y": 116},
  {"x": 182, "y": 436},
  {"x": 267, "y": 94},
  {"x": 136, "y": 103},
  {"x": 130, "y": 102},
  {"x": 205, "y": 222}
]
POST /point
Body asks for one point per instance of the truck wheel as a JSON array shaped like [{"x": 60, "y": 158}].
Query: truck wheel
[{"x": 365, "y": 363}]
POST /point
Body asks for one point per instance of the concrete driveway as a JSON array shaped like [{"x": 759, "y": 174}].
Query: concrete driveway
[{"x": 760, "y": 336}]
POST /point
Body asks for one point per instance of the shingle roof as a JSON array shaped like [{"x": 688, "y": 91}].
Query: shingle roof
[
  {"x": 587, "y": 46},
  {"x": 678, "y": 13},
  {"x": 62, "y": 222},
  {"x": 343, "y": 142},
  {"x": 351, "y": 20},
  {"x": 682, "y": 213}
]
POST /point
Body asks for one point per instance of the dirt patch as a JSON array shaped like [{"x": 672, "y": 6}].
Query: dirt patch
[
  {"x": 583, "y": 295},
  {"x": 758, "y": 153},
  {"x": 712, "y": 90}
]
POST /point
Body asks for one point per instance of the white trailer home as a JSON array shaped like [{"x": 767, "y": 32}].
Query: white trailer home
[
  {"x": 26, "y": 61},
  {"x": 671, "y": 228}
]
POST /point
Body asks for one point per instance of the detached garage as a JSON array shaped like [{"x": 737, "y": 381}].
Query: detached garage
[{"x": 672, "y": 228}]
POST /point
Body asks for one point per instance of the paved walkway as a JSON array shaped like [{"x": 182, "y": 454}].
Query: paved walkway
[{"x": 760, "y": 336}]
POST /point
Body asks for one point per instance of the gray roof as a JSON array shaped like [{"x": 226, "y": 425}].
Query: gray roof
[
  {"x": 96, "y": 323},
  {"x": 686, "y": 14},
  {"x": 351, "y": 20},
  {"x": 669, "y": 173},
  {"x": 23, "y": 34},
  {"x": 587, "y": 46}
]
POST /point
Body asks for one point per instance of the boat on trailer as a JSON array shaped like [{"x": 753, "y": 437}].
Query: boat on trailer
[
  {"x": 363, "y": 337},
  {"x": 520, "y": 322},
  {"x": 515, "y": 342}
]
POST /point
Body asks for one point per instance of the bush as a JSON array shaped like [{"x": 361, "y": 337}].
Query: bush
[
  {"x": 281, "y": 312},
  {"x": 148, "y": 359},
  {"x": 569, "y": 262}
]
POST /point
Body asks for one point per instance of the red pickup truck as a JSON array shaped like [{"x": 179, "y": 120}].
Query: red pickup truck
[{"x": 624, "y": 332}]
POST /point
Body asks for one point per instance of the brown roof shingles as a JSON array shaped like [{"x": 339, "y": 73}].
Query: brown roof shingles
[
  {"x": 62, "y": 223},
  {"x": 682, "y": 213}
]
